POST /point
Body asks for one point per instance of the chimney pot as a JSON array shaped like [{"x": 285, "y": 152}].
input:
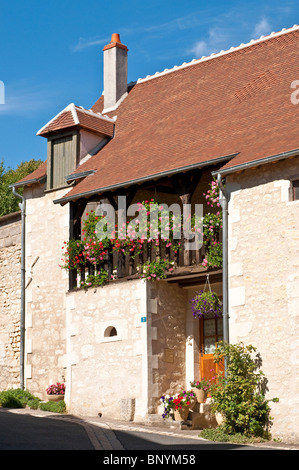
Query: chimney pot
[{"x": 115, "y": 38}]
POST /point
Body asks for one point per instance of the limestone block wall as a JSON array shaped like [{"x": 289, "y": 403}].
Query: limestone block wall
[
  {"x": 264, "y": 281},
  {"x": 47, "y": 226},
  {"x": 10, "y": 279},
  {"x": 106, "y": 370}
]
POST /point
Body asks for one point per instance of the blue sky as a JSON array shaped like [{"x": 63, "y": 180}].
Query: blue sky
[{"x": 51, "y": 52}]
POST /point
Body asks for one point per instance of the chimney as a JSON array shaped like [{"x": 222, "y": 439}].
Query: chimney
[{"x": 115, "y": 72}]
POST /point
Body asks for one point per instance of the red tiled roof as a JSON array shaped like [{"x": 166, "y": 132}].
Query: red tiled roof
[
  {"x": 76, "y": 116},
  {"x": 36, "y": 175},
  {"x": 234, "y": 103}
]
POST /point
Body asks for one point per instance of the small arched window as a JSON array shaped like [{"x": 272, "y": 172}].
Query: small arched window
[{"x": 110, "y": 331}]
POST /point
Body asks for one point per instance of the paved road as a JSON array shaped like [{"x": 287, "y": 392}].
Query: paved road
[
  {"x": 36, "y": 430},
  {"x": 26, "y": 432}
]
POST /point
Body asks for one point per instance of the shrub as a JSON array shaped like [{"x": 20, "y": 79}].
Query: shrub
[
  {"x": 33, "y": 403},
  {"x": 54, "y": 406},
  {"x": 239, "y": 397},
  {"x": 221, "y": 435},
  {"x": 16, "y": 398}
]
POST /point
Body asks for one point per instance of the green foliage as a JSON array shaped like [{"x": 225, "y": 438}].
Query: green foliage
[
  {"x": 54, "y": 406},
  {"x": 212, "y": 225},
  {"x": 8, "y": 202},
  {"x": 33, "y": 403},
  {"x": 239, "y": 397},
  {"x": 95, "y": 280},
  {"x": 155, "y": 270},
  {"x": 214, "y": 255},
  {"x": 220, "y": 434},
  {"x": 16, "y": 398}
]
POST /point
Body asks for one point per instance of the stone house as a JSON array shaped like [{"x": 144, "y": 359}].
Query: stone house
[{"x": 118, "y": 347}]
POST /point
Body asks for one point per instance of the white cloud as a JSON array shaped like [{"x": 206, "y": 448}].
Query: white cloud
[
  {"x": 85, "y": 43},
  {"x": 186, "y": 22},
  {"x": 200, "y": 48},
  {"x": 262, "y": 28},
  {"x": 218, "y": 38}
]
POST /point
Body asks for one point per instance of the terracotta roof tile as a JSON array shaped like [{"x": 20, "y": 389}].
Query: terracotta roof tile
[
  {"x": 77, "y": 116},
  {"x": 234, "y": 103},
  {"x": 36, "y": 175}
]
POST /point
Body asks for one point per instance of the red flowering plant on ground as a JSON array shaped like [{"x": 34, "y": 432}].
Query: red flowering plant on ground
[
  {"x": 180, "y": 400},
  {"x": 56, "y": 389},
  {"x": 183, "y": 399}
]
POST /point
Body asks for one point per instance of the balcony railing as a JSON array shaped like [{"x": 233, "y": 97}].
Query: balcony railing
[{"x": 118, "y": 264}]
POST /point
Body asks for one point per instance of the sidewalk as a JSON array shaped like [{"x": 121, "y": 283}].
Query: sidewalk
[{"x": 102, "y": 431}]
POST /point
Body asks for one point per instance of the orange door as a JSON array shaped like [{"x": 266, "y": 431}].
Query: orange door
[{"x": 210, "y": 333}]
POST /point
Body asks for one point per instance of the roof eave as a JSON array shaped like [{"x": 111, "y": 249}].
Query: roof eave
[
  {"x": 260, "y": 161},
  {"x": 42, "y": 179},
  {"x": 64, "y": 200}
]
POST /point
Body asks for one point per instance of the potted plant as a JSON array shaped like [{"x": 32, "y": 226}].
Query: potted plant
[
  {"x": 55, "y": 392},
  {"x": 201, "y": 389},
  {"x": 167, "y": 402},
  {"x": 180, "y": 404},
  {"x": 206, "y": 303}
]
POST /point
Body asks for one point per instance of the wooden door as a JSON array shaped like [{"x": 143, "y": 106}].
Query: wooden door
[{"x": 210, "y": 333}]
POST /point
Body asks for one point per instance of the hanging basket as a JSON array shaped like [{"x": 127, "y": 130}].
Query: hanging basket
[{"x": 206, "y": 302}]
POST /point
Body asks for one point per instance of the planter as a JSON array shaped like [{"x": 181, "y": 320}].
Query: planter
[
  {"x": 181, "y": 414},
  {"x": 200, "y": 394},
  {"x": 55, "y": 397}
]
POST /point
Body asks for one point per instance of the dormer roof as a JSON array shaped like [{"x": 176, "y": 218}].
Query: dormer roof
[{"x": 76, "y": 116}]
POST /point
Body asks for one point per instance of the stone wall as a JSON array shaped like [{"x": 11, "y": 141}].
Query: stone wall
[
  {"x": 264, "y": 281},
  {"x": 105, "y": 371},
  {"x": 167, "y": 340},
  {"x": 10, "y": 288},
  {"x": 146, "y": 359},
  {"x": 47, "y": 226}
]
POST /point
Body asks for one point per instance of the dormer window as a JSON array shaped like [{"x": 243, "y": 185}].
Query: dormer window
[
  {"x": 62, "y": 154},
  {"x": 73, "y": 136}
]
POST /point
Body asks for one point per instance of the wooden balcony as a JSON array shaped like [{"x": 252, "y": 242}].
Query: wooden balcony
[
  {"x": 184, "y": 188},
  {"x": 119, "y": 265}
]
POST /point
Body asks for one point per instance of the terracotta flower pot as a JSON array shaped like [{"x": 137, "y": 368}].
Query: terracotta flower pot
[
  {"x": 200, "y": 394},
  {"x": 55, "y": 397},
  {"x": 181, "y": 414}
]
